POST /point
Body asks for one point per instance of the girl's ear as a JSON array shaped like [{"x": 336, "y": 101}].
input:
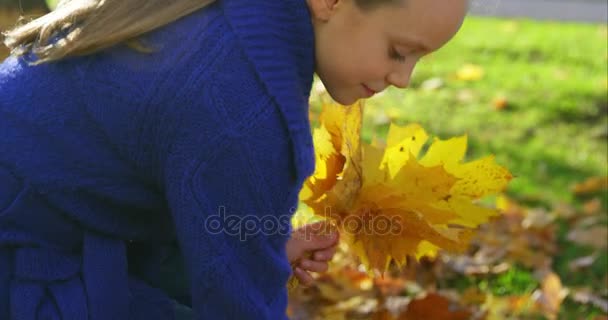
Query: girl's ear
[{"x": 323, "y": 9}]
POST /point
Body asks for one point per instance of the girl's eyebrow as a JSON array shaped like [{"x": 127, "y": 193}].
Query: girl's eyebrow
[{"x": 411, "y": 42}]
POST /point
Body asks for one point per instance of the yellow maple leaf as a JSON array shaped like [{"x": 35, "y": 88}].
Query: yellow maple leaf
[
  {"x": 389, "y": 202},
  {"x": 337, "y": 176}
]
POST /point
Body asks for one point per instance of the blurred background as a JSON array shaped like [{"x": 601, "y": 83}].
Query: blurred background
[{"x": 527, "y": 81}]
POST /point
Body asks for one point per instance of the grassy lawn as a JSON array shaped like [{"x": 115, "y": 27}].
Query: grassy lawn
[{"x": 537, "y": 99}]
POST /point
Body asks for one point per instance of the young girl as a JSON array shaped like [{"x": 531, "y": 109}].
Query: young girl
[{"x": 133, "y": 132}]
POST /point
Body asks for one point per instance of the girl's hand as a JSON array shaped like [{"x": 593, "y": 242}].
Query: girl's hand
[{"x": 310, "y": 249}]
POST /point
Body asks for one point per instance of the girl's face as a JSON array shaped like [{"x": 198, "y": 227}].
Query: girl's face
[{"x": 361, "y": 52}]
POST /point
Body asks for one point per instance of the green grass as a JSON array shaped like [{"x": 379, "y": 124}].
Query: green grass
[{"x": 52, "y": 3}]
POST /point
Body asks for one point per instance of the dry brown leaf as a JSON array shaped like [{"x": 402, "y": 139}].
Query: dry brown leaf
[
  {"x": 389, "y": 286},
  {"x": 564, "y": 210},
  {"x": 595, "y": 236},
  {"x": 537, "y": 218},
  {"x": 593, "y": 206},
  {"x": 433, "y": 307},
  {"x": 591, "y": 185},
  {"x": 585, "y": 296},
  {"x": 500, "y": 103},
  {"x": 342, "y": 285}
]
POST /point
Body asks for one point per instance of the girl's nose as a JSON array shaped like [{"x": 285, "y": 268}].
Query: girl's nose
[{"x": 400, "y": 76}]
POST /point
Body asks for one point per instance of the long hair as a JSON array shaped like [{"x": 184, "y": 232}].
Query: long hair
[{"x": 78, "y": 27}]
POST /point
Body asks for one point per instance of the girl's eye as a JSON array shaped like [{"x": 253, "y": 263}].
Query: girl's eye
[{"x": 394, "y": 54}]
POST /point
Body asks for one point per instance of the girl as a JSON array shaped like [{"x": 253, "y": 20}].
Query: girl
[{"x": 130, "y": 129}]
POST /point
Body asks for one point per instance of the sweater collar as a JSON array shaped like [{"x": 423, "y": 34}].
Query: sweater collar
[{"x": 278, "y": 38}]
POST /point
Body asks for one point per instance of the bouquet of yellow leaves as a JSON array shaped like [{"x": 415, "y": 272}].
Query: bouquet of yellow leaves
[{"x": 391, "y": 202}]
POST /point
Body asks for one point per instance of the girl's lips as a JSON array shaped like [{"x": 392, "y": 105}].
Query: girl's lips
[{"x": 369, "y": 92}]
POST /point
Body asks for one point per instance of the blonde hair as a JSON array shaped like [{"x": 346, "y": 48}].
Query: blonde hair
[{"x": 78, "y": 27}]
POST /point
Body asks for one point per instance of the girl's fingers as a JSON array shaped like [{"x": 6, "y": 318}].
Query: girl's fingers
[
  {"x": 310, "y": 238},
  {"x": 325, "y": 254},
  {"x": 304, "y": 277},
  {"x": 314, "y": 266},
  {"x": 318, "y": 235},
  {"x": 313, "y": 241}
]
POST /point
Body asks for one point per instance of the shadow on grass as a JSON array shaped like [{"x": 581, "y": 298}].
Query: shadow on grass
[
  {"x": 575, "y": 107},
  {"x": 542, "y": 172},
  {"x": 531, "y": 55}
]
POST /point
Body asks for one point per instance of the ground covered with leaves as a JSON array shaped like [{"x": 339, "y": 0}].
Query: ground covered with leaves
[{"x": 535, "y": 95}]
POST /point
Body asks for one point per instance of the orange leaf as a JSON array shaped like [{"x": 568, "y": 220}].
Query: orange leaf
[{"x": 433, "y": 307}]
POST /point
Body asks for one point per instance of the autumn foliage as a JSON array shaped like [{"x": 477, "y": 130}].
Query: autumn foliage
[{"x": 390, "y": 202}]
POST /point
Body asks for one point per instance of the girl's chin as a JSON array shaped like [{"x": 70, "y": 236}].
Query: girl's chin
[{"x": 343, "y": 98}]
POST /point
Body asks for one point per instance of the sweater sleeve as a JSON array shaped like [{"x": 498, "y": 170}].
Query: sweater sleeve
[
  {"x": 233, "y": 147},
  {"x": 231, "y": 209},
  {"x": 231, "y": 182}
]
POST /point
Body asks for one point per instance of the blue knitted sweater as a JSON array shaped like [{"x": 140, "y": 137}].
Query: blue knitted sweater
[{"x": 204, "y": 142}]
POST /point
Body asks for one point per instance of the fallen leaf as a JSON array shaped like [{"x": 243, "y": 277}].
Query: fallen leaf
[
  {"x": 537, "y": 218},
  {"x": 582, "y": 262},
  {"x": 595, "y": 236},
  {"x": 466, "y": 96},
  {"x": 383, "y": 315},
  {"x": 432, "y": 84},
  {"x": 389, "y": 286},
  {"x": 591, "y": 185},
  {"x": 470, "y": 72},
  {"x": 551, "y": 295},
  {"x": 585, "y": 296},
  {"x": 509, "y": 307},
  {"x": 433, "y": 307},
  {"x": 473, "y": 296},
  {"x": 592, "y": 206},
  {"x": 564, "y": 210},
  {"x": 500, "y": 103}
]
